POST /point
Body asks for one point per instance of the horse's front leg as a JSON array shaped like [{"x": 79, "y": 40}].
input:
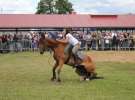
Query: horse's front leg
[
  {"x": 61, "y": 62},
  {"x": 54, "y": 73}
]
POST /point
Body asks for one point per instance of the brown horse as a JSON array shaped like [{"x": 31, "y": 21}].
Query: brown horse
[{"x": 85, "y": 65}]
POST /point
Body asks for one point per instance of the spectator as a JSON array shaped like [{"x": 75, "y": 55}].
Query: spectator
[
  {"x": 88, "y": 40},
  {"x": 94, "y": 41},
  {"x": 107, "y": 41},
  {"x": 114, "y": 41}
]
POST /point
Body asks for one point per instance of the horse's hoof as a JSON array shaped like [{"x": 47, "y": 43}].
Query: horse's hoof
[{"x": 53, "y": 79}]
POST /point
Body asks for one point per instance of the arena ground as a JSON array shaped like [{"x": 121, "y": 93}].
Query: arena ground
[
  {"x": 112, "y": 56},
  {"x": 26, "y": 76}
]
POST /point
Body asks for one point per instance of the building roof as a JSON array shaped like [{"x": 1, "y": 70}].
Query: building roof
[
  {"x": 112, "y": 20},
  {"x": 60, "y": 21}
]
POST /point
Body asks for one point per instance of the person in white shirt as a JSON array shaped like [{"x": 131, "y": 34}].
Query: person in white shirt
[{"x": 68, "y": 37}]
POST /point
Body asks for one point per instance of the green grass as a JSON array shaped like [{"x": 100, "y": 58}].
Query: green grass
[{"x": 26, "y": 76}]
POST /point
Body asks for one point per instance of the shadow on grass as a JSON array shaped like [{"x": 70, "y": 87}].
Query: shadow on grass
[{"x": 97, "y": 77}]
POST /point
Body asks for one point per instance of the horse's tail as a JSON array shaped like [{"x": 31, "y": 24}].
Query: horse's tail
[{"x": 89, "y": 64}]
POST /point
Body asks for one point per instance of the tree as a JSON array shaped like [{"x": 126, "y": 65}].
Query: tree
[
  {"x": 63, "y": 6},
  {"x": 45, "y": 6},
  {"x": 54, "y": 7}
]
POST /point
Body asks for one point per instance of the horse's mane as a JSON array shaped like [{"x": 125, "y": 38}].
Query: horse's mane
[
  {"x": 51, "y": 40},
  {"x": 52, "y": 37},
  {"x": 54, "y": 43}
]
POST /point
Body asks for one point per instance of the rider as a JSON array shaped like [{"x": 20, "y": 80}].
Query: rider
[{"x": 68, "y": 37}]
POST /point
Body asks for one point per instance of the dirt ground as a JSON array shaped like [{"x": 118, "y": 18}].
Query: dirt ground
[{"x": 113, "y": 56}]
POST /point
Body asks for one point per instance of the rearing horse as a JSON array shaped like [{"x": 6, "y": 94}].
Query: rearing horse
[{"x": 62, "y": 58}]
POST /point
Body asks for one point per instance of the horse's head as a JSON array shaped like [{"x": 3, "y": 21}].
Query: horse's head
[
  {"x": 42, "y": 43},
  {"x": 47, "y": 40}
]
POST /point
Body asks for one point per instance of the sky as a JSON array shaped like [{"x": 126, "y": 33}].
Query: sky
[{"x": 80, "y": 6}]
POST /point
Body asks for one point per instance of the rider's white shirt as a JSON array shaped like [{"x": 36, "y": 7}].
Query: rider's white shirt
[{"x": 72, "y": 40}]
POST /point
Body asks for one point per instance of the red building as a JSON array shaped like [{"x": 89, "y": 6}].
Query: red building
[{"x": 76, "y": 21}]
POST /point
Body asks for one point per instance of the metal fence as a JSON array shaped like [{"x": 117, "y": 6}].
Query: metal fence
[{"x": 93, "y": 44}]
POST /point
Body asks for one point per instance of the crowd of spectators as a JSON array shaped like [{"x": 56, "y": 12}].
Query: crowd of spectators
[
  {"x": 23, "y": 41},
  {"x": 106, "y": 40}
]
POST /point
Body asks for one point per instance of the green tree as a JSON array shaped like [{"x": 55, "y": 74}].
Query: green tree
[
  {"x": 54, "y": 7},
  {"x": 45, "y": 6}
]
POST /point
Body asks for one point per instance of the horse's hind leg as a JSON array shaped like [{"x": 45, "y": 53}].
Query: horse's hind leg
[
  {"x": 54, "y": 73},
  {"x": 87, "y": 76}
]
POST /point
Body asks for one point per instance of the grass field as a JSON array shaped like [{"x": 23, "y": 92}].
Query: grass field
[{"x": 26, "y": 76}]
